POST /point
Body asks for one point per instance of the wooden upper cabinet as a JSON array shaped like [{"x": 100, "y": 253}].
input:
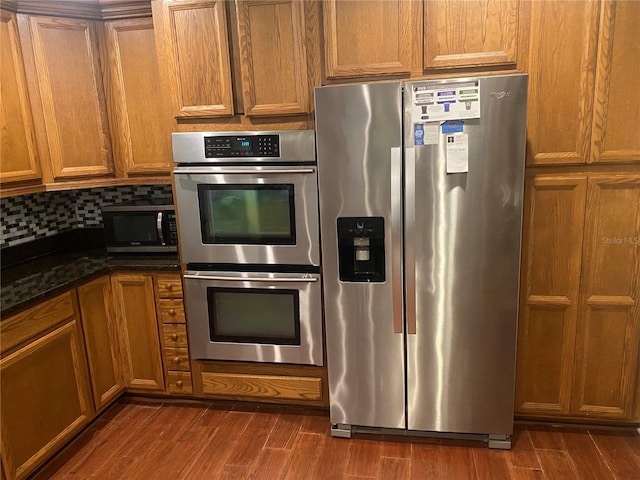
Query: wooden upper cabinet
[
  {"x": 136, "y": 102},
  {"x": 609, "y": 332},
  {"x": 552, "y": 246},
  {"x": 616, "y": 121},
  {"x": 367, "y": 38},
  {"x": 461, "y": 33},
  {"x": 18, "y": 152},
  {"x": 194, "y": 49},
  {"x": 562, "y": 45},
  {"x": 65, "y": 77},
  {"x": 273, "y": 57}
]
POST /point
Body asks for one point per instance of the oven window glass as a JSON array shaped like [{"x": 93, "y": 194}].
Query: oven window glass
[
  {"x": 247, "y": 214},
  {"x": 135, "y": 227},
  {"x": 254, "y": 315}
]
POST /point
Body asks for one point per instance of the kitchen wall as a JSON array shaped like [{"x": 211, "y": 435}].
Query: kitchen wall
[{"x": 29, "y": 217}]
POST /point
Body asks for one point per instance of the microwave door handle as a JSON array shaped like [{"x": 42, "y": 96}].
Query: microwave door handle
[
  {"x": 236, "y": 171},
  {"x": 251, "y": 279},
  {"x": 159, "y": 228}
]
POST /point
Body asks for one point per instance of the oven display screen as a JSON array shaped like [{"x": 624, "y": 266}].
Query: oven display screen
[{"x": 231, "y": 146}]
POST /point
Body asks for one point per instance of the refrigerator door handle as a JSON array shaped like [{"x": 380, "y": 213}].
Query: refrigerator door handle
[
  {"x": 410, "y": 230},
  {"x": 396, "y": 236}
]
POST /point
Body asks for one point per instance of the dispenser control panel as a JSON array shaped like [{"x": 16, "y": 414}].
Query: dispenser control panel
[{"x": 361, "y": 249}]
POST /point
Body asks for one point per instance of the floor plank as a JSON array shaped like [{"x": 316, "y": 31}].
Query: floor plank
[
  {"x": 395, "y": 446},
  {"x": 618, "y": 455},
  {"x": 364, "y": 459},
  {"x": 441, "y": 462},
  {"x": 523, "y": 453},
  {"x": 557, "y": 465},
  {"x": 546, "y": 437},
  {"x": 394, "y": 468},
  {"x": 285, "y": 430},
  {"x": 271, "y": 464},
  {"x": 253, "y": 440},
  {"x": 304, "y": 456},
  {"x": 586, "y": 458},
  {"x": 333, "y": 459},
  {"x": 491, "y": 464}
]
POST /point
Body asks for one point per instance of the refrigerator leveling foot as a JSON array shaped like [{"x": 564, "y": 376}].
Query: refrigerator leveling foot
[
  {"x": 340, "y": 430},
  {"x": 502, "y": 442}
]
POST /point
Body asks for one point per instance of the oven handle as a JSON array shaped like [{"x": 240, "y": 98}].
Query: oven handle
[
  {"x": 251, "y": 279},
  {"x": 159, "y": 228},
  {"x": 232, "y": 171}
]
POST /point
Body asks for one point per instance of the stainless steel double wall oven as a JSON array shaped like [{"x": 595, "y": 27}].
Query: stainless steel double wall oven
[{"x": 247, "y": 207}]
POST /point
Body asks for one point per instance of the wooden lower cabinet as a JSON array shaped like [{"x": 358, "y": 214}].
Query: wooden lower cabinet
[
  {"x": 136, "y": 319},
  {"x": 579, "y": 329},
  {"x": 98, "y": 323},
  {"x": 45, "y": 390}
]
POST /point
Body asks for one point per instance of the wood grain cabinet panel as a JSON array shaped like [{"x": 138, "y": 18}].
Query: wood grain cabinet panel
[
  {"x": 461, "y": 33},
  {"x": 138, "y": 331},
  {"x": 563, "y": 40},
  {"x": 273, "y": 57},
  {"x": 552, "y": 245},
  {"x": 608, "y": 338},
  {"x": 18, "y": 154},
  {"x": 98, "y": 323},
  {"x": 45, "y": 398},
  {"x": 136, "y": 102},
  {"x": 616, "y": 120},
  {"x": 194, "y": 49},
  {"x": 367, "y": 38},
  {"x": 68, "y": 83}
]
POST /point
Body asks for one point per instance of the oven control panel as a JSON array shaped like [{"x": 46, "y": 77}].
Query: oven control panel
[{"x": 229, "y": 146}]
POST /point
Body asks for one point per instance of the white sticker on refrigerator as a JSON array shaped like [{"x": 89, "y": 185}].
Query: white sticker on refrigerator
[
  {"x": 431, "y": 133},
  {"x": 458, "y": 153},
  {"x": 445, "y": 101}
]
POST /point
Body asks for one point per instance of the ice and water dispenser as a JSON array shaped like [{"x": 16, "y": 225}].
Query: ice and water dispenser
[{"x": 361, "y": 249}]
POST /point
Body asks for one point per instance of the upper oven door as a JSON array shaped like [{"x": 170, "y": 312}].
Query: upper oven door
[{"x": 259, "y": 215}]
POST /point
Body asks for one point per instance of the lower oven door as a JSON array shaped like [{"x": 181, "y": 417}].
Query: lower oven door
[{"x": 255, "y": 317}]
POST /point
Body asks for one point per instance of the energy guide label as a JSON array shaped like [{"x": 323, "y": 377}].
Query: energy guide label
[{"x": 445, "y": 101}]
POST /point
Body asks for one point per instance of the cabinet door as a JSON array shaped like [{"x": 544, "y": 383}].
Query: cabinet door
[
  {"x": 616, "y": 122},
  {"x": 552, "y": 245},
  {"x": 45, "y": 398},
  {"x": 608, "y": 337},
  {"x": 272, "y": 46},
  {"x": 194, "y": 50},
  {"x": 460, "y": 33},
  {"x": 98, "y": 324},
  {"x": 141, "y": 120},
  {"x": 138, "y": 331},
  {"x": 18, "y": 154},
  {"x": 64, "y": 55},
  {"x": 367, "y": 38},
  {"x": 563, "y": 40}
]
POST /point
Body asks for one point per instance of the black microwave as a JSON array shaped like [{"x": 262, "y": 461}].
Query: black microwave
[{"x": 140, "y": 228}]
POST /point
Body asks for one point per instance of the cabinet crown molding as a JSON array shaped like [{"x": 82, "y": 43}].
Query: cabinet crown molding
[{"x": 85, "y": 9}]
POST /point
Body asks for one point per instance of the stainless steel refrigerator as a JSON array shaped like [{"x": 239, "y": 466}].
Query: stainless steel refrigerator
[{"x": 421, "y": 190}]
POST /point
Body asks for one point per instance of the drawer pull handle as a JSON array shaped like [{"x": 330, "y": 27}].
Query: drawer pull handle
[
  {"x": 176, "y": 359},
  {"x": 172, "y": 312},
  {"x": 169, "y": 286},
  {"x": 174, "y": 336},
  {"x": 179, "y": 384}
]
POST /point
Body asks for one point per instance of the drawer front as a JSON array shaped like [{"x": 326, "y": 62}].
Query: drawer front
[
  {"x": 177, "y": 358},
  {"x": 169, "y": 286},
  {"x": 171, "y": 311},
  {"x": 269, "y": 386},
  {"x": 175, "y": 335},
  {"x": 179, "y": 383},
  {"x": 34, "y": 321}
]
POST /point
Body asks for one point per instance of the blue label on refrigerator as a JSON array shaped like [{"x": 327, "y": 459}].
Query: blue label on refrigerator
[
  {"x": 452, "y": 126},
  {"x": 418, "y": 134}
]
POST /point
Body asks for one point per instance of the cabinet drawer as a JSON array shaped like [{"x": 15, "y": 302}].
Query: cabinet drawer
[
  {"x": 270, "y": 386},
  {"x": 179, "y": 383},
  {"x": 171, "y": 311},
  {"x": 169, "y": 286},
  {"x": 30, "y": 323},
  {"x": 174, "y": 335},
  {"x": 177, "y": 358}
]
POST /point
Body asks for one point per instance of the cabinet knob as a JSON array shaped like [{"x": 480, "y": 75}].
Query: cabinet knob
[
  {"x": 169, "y": 286},
  {"x": 172, "y": 312},
  {"x": 179, "y": 384},
  {"x": 174, "y": 336},
  {"x": 176, "y": 359}
]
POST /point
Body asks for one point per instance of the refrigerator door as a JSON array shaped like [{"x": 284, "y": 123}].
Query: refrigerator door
[
  {"x": 462, "y": 249},
  {"x": 359, "y": 139}
]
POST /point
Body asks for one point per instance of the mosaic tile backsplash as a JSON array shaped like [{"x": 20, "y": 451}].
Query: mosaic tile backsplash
[{"x": 29, "y": 217}]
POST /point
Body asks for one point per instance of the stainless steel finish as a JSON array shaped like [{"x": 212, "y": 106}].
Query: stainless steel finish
[
  {"x": 253, "y": 279},
  {"x": 308, "y": 352},
  {"x": 295, "y": 146},
  {"x": 136, "y": 208},
  {"x": 143, "y": 249},
  {"x": 241, "y": 170},
  {"x": 396, "y": 229},
  {"x": 461, "y": 361},
  {"x": 341, "y": 430},
  {"x": 306, "y": 251},
  {"x": 159, "y": 228},
  {"x": 356, "y": 127},
  {"x": 500, "y": 442},
  {"x": 409, "y": 239}
]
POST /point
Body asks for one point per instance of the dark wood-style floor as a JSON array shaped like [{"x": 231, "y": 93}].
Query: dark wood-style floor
[{"x": 137, "y": 440}]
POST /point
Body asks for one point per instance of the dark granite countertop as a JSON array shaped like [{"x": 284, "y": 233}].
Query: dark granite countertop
[{"x": 34, "y": 280}]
